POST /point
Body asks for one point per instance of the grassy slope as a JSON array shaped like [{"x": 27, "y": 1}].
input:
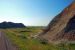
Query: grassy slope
[{"x": 21, "y": 38}]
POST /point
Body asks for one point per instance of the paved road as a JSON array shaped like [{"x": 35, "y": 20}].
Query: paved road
[{"x": 5, "y": 44}]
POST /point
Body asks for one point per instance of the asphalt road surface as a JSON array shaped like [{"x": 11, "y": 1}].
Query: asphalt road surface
[{"x": 5, "y": 44}]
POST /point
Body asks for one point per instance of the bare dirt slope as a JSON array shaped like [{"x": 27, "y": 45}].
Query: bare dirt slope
[{"x": 62, "y": 26}]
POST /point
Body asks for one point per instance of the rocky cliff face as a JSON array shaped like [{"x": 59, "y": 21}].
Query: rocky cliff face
[
  {"x": 62, "y": 26},
  {"x": 11, "y": 25}
]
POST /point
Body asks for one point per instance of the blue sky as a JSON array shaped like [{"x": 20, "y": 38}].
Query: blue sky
[{"x": 31, "y": 12}]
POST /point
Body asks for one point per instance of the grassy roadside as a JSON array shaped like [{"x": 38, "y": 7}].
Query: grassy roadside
[{"x": 21, "y": 38}]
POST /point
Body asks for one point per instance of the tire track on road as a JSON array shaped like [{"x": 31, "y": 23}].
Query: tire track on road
[{"x": 5, "y": 44}]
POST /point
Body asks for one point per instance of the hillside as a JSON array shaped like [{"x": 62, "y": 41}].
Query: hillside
[
  {"x": 11, "y": 25},
  {"x": 62, "y": 27}
]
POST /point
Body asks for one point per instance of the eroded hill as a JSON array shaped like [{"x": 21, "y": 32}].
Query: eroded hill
[{"x": 62, "y": 27}]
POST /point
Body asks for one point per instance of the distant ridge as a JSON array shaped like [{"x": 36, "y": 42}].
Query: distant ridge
[
  {"x": 62, "y": 27},
  {"x": 11, "y": 25}
]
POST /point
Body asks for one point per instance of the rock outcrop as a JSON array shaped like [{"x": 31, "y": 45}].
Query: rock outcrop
[{"x": 62, "y": 27}]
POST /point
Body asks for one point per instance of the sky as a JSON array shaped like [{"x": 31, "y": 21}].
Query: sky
[{"x": 31, "y": 12}]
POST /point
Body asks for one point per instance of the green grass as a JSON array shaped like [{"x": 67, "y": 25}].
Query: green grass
[{"x": 21, "y": 37}]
